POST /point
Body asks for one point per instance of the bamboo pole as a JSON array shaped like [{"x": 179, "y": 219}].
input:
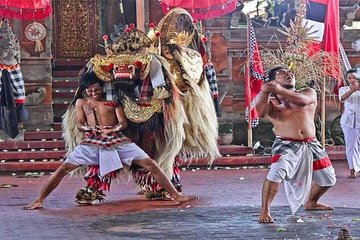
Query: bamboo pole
[
  {"x": 248, "y": 95},
  {"x": 323, "y": 114}
]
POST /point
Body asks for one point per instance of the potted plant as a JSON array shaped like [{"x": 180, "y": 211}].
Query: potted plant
[{"x": 226, "y": 133}]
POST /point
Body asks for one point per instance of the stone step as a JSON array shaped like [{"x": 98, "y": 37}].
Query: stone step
[
  {"x": 68, "y": 95},
  {"x": 57, "y": 126},
  {"x": 338, "y": 155},
  {"x": 67, "y": 64},
  {"x": 29, "y": 155},
  {"x": 65, "y": 73},
  {"x": 335, "y": 148},
  {"x": 65, "y": 84},
  {"x": 234, "y": 150},
  {"x": 59, "y": 102},
  {"x": 29, "y": 166},
  {"x": 48, "y": 135},
  {"x": 67, "y": 79},
  {"x": 61, "y": 105},
  {"x": 36, "y": 145}
]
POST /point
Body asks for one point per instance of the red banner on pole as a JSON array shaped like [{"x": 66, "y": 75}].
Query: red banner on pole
[{"x": 254, "y": 76}]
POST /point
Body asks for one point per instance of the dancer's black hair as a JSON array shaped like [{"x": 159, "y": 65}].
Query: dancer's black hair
[{"x": 87, "y": 79}]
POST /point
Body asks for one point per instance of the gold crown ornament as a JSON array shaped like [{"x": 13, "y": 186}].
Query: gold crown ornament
[
  {"x": 131, "y": 41},
  {"x": 182, "y": 39},
  {"x": 154, "y": 35}
]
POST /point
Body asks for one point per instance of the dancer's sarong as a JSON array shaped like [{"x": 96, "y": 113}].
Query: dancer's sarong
[
  {"x": 298, "y": 162},
  {"x": 111, "y": 152}
]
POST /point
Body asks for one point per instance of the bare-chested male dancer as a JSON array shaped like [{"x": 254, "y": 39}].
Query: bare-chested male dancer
[
  {"x": 297, "y": 156},
  {"x": 104, "y": 144}
]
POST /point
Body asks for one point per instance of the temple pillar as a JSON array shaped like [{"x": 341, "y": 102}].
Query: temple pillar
[{"x": 37, "y": 73}]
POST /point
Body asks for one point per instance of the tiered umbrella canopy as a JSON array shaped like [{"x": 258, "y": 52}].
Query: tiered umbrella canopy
[
  {"x": 25, "y": 9},
  {"x": 201, "y": 9}
]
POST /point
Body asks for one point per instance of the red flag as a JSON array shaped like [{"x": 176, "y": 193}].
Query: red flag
[
  {"x": 331, "y": 43},
  {"x": 254, "y": 75},
  {"x": 326, "y": 12}
]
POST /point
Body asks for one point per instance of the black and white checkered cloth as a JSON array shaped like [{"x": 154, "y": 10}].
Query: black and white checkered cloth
[
  {"x": 17, "y": 84},
  {"x": 211, "y": 78},
  {"x": 111, "y": 94},
  {"x": 253, "y": 48},
  {"x": 210, "y": 74}
]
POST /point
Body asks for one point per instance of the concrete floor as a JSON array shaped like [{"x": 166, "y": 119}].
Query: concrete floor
[{"x": 227, "y": 209}]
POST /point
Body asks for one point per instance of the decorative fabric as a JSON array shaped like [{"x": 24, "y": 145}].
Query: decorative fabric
[
  {"x": 146, "y": 91},
  {"x": 107, "y": 159},
  {"x": 110, "y": 91},
  {"x": 148, "y": 184},
  {"x": 8, "y": 115},
  {"x": 210, "y": 74},
  {"x": 200, "y": 10},
  {"x": 36, "y": 32},
  {"x": 109, "y": 141},
  {"x": 156, "y": 73},
  {"x": 103, "y": 161},
  {"x": 17, "y": 83},
  {"x": 254, "y": 77},
  {"x": 298, "y": 162},
  {"x": 26, "y": 10}
]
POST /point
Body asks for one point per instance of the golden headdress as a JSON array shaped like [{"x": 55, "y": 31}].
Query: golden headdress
[{"x": 132, "y": 40}]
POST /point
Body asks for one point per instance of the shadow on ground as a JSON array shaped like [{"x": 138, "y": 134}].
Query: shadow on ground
[{"x": 230, "y": 223}]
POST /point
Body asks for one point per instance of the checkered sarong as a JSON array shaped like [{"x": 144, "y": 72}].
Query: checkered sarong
[
  {"x": 299, "y": 162},
  {"x": 109, "y": 141},
  {"x": 17, "y": 84}
]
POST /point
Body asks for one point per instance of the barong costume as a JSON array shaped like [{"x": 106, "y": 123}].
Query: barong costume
[
  {"x": 168, "y": 102},
  {"x": 298, "y": 162},
  {"x": 350, "y": 124}
]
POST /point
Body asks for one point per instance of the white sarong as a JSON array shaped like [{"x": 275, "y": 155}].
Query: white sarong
[
  {"x": 109, "y": 159},
  {"x": 298, "y": 162},
  {"x": 352, "y": 141}
]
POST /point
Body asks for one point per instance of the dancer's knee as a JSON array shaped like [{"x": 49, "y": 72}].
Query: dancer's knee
[
  {"x": 148, "y": 163},
  {"x": 66, "y": 168}
]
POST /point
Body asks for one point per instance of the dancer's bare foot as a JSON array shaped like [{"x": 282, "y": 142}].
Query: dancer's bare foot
[
  {"x": 317, "y": 206},
  {"x": 34, "y": 205},
  {"x": 183, "y": 199},
  {"x": 352, "y": 173},
  {"x": 265, "y": 217}
]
